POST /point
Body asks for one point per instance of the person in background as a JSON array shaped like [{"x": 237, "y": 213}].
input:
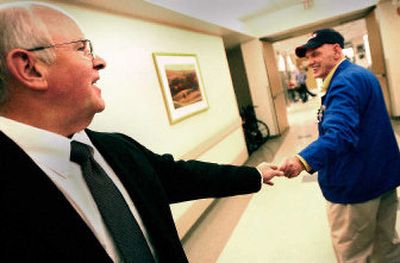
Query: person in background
[
  {"x": 70, "y": 194},
  {"x": 301, "y": 77},
  {"x": 292, "y": 89},
  {"x": 356, "y": 155}
]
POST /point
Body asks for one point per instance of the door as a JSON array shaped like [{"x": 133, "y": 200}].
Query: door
[
  {"x": 275, "y": 84},
  {"x": 377, "y": 55}
]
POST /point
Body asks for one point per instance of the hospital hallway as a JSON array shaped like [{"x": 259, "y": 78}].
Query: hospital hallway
[{"x": 285, "y": 223}]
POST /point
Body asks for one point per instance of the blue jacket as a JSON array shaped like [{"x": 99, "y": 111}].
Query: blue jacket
[{"x": 356, "y": 154}]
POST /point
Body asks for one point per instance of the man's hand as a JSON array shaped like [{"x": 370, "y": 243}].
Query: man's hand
[
  {"x": 292, "y": 167},
  {"x": 268, "y": 171}
]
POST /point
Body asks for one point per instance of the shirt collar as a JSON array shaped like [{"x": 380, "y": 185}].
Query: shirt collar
[
  {"x": 44, "y": 147},
  {"x": 327, "y": 80}
]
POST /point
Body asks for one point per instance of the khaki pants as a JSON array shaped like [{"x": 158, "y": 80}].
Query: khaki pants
[{"x": 365, "y": 232}]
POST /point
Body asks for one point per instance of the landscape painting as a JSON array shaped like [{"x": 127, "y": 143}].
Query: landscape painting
[{"x": 181, "y": 84}]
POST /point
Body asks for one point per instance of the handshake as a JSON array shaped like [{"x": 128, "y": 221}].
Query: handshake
[{"x": 290, "y": 168}]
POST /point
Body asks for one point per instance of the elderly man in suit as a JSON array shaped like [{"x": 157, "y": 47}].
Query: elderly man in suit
[{"x": 69, "y": 194}]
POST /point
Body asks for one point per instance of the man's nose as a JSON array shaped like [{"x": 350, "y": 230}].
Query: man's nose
[{"x": 98, "y": 62}]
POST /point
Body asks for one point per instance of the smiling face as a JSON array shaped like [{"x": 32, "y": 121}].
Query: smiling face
[
  {"x": 72, "y": 77},
  {"x": 323, "y": 59}
]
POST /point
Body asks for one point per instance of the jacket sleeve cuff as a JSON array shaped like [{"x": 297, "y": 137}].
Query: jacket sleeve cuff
[{"x": 304, "y": 162}]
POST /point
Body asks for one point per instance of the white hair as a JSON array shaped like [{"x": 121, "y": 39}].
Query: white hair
[{"x": 22, "y": 27}]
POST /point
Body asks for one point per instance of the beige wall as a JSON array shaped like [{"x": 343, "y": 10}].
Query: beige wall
[
  {"x": 134, "y": 99},
  {"x": 132, "y": 91},
  {"x": 389, "y": 24}
]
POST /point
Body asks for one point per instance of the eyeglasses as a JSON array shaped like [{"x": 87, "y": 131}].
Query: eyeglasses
[{"x": 86, "y": 47}]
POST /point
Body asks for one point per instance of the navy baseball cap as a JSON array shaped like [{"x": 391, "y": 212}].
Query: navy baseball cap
[{"x": 318, "y": 38}]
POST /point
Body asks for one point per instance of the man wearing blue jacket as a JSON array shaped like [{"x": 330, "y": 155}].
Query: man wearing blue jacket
[{"x": 356, "y": 155}]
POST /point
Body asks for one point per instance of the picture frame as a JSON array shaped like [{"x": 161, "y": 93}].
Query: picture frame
[{"x": 181, "y": 84}]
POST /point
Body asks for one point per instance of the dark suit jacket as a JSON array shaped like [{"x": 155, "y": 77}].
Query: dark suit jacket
[{"x": 38, "y": 224}]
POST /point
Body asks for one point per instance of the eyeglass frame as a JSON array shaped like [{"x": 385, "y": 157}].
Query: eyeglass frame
[{"x": 66, "y": 43}]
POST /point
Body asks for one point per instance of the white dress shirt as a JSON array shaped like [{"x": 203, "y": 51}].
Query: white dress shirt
[{"x": 51, "y": 152}]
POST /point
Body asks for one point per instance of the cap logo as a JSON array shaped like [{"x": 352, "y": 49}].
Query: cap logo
[{"x": 312, "y": 36}]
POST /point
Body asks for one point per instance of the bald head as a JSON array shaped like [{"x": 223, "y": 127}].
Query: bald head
[
  {"x": 27, "y": 25},
  {"x": 57, "y": 22}
]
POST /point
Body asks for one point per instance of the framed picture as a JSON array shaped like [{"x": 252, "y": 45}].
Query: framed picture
[{"x": 181, "y": 84}]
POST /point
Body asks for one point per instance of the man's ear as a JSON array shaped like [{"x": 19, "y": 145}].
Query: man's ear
[
  {"x": 27, "y": 69},
  {"x": 338, "y": 50}
]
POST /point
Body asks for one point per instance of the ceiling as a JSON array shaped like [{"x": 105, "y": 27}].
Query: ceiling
[
  {"x": 350, "y": 30},
  {"x": 237, "y": 21}
]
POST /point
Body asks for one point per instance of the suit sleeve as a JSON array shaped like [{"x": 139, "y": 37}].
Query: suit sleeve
[{"x": 190, "y": 180}]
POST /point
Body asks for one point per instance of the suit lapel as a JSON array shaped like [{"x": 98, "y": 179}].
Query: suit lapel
[{"x": 144, "y": 188}]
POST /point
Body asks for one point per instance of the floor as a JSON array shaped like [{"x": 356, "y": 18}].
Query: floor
[{"x": 285, "y": 223}]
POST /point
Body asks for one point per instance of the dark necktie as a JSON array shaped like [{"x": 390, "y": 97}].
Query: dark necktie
[{"x": 123, "y": 227}]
